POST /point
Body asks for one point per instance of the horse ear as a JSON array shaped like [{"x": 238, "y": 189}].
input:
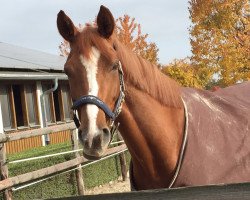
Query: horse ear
[
  {"x": 105, "y": 22},
  {"x": 65, "y": 26}
]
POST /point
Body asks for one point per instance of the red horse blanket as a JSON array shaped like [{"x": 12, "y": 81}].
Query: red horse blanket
[{"x": 218, "y": 140}]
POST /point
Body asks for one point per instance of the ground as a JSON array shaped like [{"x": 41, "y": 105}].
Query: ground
[{"x": 111, "y": 187}]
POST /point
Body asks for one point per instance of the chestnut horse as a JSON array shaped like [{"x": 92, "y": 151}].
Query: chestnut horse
[{"x": 110, "y": 84}]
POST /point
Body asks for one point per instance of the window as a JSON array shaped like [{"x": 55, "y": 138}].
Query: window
[
  {"x": 57, "y": 104},
  {"x": 19, "y": 106},
  {"x": 5, "y": 106},
  {"x": 66, "y": 102},
  {"x": 21, "y": 118},
  {"x": 31, "y": 100},
  {"x": 48, "y": 104}
]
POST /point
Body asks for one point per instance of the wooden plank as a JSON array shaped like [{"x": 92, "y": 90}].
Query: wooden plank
[
  {"x": 52, "y": 107},
  {"x": 60, "y": 137},
  {"x": 78, "y": 171},
  {"x": 55, "y": 169},
  {"x": 60, "y": 100},
  {"x": 214, "y": 192},
  {"x": 12, "y": 108},
  {"x": 24, "y": 105},
  {"x": 122, "y": 158},
  {"x": 7, "y": 194},
  {"x": 24, "y": 144},
  {"x": 36, "y": 132}
]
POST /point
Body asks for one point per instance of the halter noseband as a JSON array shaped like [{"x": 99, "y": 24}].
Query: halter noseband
[{"x": 90, "y": 99}]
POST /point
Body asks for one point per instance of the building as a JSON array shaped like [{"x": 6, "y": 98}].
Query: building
[{"x": 26, "y": 76}]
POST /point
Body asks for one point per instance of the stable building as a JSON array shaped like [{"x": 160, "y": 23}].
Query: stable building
[{"x": 34, "y": 93}]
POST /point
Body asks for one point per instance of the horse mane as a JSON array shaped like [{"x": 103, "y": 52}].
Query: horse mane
[
  {"x": 148, "y": 78},
  {"x": 141, "y": 73}
]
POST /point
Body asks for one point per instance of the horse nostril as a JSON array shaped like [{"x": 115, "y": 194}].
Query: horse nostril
[
  {"x": 98, "y": 140},
  {"x": 106, "y": 135},
  {"x": 106, "y": 131}
]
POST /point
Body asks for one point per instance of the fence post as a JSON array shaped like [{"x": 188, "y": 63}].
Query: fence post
[
  {"x": 78, "y": 171},
  {"x": 4, "y": 171},
  {"x": 122, "y": 158},
  {"x": 7, "y": 194}
]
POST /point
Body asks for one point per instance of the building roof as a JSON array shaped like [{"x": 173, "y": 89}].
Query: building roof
[
  {"x": 16, "y": 57},
  {"x": 5, "y": 75}
]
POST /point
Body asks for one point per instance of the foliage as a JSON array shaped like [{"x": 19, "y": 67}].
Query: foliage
[
  {"x": 182, "y": 71},
  {"x": 220, "y": 40},
  {"x": 130, "y": 34},
  {"x": 64, "y": 48},
  {"x": 103, "y": 172},
  {"x": 64, "y": 184}
]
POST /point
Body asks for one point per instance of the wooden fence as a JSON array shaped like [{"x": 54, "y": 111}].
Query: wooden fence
[
  {"x": 239, "y": 191},
  {"x": 7, "y": 183},
  {"x": 23, "y": 144}
]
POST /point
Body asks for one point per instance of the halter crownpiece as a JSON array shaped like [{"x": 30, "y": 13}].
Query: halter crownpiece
[{"x": 90, "y": 99}]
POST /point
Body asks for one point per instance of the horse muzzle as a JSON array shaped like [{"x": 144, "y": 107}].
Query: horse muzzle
[{"x": 94, "y": 144}]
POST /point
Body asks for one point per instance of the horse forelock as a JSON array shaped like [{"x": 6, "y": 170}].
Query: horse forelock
[{"x": 90, "y": 37}]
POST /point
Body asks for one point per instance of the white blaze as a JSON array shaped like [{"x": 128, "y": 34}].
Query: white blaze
[{"x": 91, "y": 65}]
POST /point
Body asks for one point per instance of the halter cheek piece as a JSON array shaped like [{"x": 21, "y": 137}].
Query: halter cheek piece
[{"x": 90, "y": 99}]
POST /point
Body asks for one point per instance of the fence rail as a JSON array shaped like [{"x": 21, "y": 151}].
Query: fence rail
[
  {"x": 36, "y": 132},
  {"x": 23, "y": 178},
  {"x": 7, "y": 183}
]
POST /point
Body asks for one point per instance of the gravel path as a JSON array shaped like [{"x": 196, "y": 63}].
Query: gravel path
[{"x": 111, "y": 187}]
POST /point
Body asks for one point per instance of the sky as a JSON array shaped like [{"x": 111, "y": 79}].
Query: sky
[{"x": 32, "y": 23}]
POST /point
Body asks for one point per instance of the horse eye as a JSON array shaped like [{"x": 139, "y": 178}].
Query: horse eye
[{"x": 114, "y": 47}]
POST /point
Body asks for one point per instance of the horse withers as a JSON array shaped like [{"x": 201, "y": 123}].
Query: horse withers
[{"x": 176, "y": 136}]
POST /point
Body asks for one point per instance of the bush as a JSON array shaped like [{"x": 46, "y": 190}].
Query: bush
[{"x": 64, "y": 184}]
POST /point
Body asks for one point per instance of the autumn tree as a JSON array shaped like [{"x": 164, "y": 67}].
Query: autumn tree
[
  {"x": 130, "y": 34},
  {"x": 182, "y": 71},
  {"x": 64, "y": 48},
  {"x": 220, "y": 40}
]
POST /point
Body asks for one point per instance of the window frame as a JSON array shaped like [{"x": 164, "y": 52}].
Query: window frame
[
  {"x": 10, "y": 93},
  {"x": 12, "y": 121},
  {"x": 51, "y": 103},
  {"x": 35, "y": 101},
  {"x": 70, "y": 119},
  {"x": 60, "y": 102}
]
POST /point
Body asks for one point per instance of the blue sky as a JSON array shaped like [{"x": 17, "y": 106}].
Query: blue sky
[{"x": 32, "y": 23}]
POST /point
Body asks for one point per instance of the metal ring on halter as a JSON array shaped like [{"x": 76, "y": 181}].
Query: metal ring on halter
[{"x": 90, "y": 99}]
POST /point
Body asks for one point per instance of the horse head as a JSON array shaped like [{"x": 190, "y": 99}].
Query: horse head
[{"x": 92, "y": 68}]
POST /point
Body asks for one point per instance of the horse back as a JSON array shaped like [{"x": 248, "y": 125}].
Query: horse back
[{"x": 218, "y": 129}]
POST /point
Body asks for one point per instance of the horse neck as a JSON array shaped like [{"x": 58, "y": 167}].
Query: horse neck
[{"x": 152, "y": 131}]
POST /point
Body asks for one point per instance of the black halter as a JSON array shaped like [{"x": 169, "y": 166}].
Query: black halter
[{"x": 90, "y": 99}]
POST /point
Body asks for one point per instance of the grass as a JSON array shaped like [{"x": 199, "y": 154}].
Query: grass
[{"x": 64, "y": 184}]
